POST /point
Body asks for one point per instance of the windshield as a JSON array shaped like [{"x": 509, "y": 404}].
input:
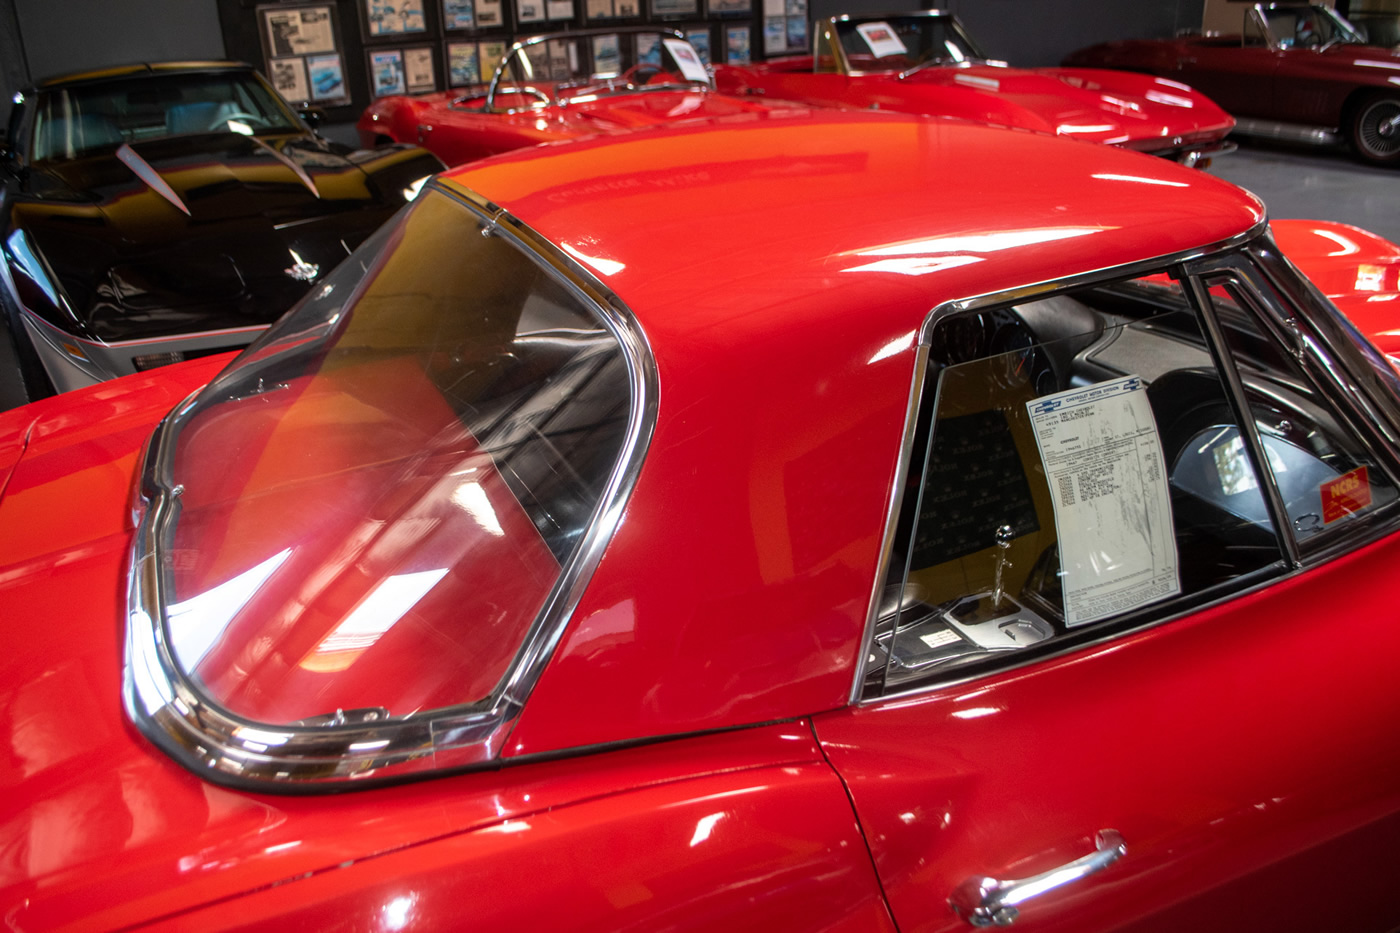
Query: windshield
[
  {"x": 73, "y": 121},
  {"x": 899, "y": 43},
  {"x": 1309, "y": 27},
  {"x": 564, "y": 69},
  {"x": 377, "y": 500}
]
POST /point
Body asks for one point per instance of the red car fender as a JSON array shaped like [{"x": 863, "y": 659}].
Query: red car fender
[{"x": 1357, "y": 270}]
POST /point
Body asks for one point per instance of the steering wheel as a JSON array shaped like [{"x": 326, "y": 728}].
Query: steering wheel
[
  {"x": 530, "y": 89},
  {"x": 633, "y": 76}
]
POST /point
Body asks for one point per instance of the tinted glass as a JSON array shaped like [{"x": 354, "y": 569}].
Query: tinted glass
[
  {"x": 1081, "y": 464},
  {"x": 72, "y": 121},
  {"x": 379, "y": 499},
  {"x": 580, "y": 69},
  {"x": 898, "y": 43}
]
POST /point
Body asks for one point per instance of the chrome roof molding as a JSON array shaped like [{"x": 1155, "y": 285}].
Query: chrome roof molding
[{"x": 231, "y": 750}]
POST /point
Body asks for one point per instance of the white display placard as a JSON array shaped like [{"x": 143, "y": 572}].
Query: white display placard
[
  {"x": 882, "y": 39},
  {"x": 691, "y": 67},
  {"x": 1108, "y": 481}
]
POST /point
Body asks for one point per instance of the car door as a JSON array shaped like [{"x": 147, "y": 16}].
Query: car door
[
  {"x": 1240, "y": 78},
  {"x": 1222, "y": 762}
]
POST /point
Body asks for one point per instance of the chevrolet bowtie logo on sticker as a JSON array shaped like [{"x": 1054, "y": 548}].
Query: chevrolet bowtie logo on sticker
[{"x": 1348, "y": 493}]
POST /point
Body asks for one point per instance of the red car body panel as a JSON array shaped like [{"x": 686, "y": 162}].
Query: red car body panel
[
  {"x": 1357, "y": 270},
  {"x": 767, "y": 608},
  {"x": 752, "y": 618},
  {"x": 458, "y": 128},
  {"x": 1292, "y": 85},
  {"x": 1116, "y": 108},
  {"x": 1005, "y": 790}
]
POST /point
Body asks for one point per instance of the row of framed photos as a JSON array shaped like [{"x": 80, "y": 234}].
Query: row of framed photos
[
  {"x": 404, "y": 18},
  {"x": 414, "y": 69}
]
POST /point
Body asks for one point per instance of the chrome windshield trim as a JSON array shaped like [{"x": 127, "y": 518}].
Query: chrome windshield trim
[
  {"x": 919, "y": 377},
  {"x": 520, "y": 44},
  {"x": 228, "y": 749}
]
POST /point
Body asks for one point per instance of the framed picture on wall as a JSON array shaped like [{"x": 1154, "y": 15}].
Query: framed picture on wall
[
  {"x": 607, "y": 55},
  {"x": 559, "y": 9},
  {"x": 728, "y": 7},
  {"x": 458, "y": 14},
  {"x": 302, "y": 52},
  {"x": 488, "y": 14},
  {"x": 288, "y": 76},
  {"x": 529, "y": 11},
  {"x": 736, "y": 45},
  {"x": 419, "y": 72},
  {"x": 699, "y": 37},
  {"x": 492, "y": 52},
  {"x": 327, "y": 77},
  {"x": 298, "y": 30},
  {"x": 666, "y": 9},
  {"x": 386, "y": 74},
  {"x": 463, "y": 64},
  {"x": 393, "y": 17}
]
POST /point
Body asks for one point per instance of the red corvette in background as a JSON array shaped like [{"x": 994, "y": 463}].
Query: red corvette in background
[
  {"x": 807, "y": 524},
  {"x": 925, "y": 62},
  {"x": 1293, "y": 71},
  {"x": 562, "y": 86}
]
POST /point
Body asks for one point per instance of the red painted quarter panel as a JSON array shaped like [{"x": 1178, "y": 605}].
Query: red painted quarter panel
[
  {"x": 1357, "y": 270},
  {"x": 1186, "y": 740},
  {"x": 763, "y": 849},
  {"x": 757, "y": 609}
]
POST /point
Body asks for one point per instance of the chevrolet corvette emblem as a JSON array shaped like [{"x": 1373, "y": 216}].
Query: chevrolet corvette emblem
[{"x": 303, "y": 271}]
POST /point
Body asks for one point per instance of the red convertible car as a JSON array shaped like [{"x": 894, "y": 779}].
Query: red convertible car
[
  {"x": 1294, "y": 71},
  {"x": 925, "y": 62},
  {"x": 562, "y": 86},
  {"x": 954, "y": 546}
]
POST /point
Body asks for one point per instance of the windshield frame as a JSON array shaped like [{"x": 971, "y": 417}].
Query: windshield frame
[
  {"x": 546, "y": 94},
  {"x": 168, "y": 707},
  {"x": 42, "y": 99},
  {"x": 830, "y": 30},
  {"x": 1345, "y": 32}
]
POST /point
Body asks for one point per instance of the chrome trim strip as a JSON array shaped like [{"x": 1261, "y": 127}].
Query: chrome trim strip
[
  {"x": 901, "y": 476},
  {"x": 1238, "y": 399},
  {"x": 228, "y": 749},
  {"x": 1291, "y": 132},
  {"x": 1045, "y": 289},
  {"x": 150, "y": 176},
  {"x": 291, "y": 164},
  {"x": 977, "y": 303}
]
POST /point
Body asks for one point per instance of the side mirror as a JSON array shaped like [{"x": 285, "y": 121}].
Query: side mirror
[{"x": 312, "y": 115}]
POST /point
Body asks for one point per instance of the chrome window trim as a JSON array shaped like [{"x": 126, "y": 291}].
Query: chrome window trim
[
  {"x": 232, "y": 750},
  {"x": 1193, "y": 258}
]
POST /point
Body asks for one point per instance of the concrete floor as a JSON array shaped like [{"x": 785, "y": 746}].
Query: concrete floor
[{"x": 1316, "y": 183}]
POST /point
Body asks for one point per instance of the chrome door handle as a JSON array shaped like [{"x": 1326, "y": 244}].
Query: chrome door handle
[{"x": 986, "y": 902}]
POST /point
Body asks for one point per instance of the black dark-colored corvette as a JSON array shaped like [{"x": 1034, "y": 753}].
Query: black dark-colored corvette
[{"x": 154, "y": 213}]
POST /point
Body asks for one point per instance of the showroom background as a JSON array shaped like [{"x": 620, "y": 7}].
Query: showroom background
[{"x": 40, "y": 38}]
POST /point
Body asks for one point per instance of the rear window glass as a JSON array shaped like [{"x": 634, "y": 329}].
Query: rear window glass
[{"x": 379, "y": 498}]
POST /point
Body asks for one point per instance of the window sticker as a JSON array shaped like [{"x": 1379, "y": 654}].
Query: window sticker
[
  {"x": 1348, "y": 493},
  {"x": 1108, "y": 481},
  {"x": 882, "y": 39},
  {"x": 691, "y": 66}
]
